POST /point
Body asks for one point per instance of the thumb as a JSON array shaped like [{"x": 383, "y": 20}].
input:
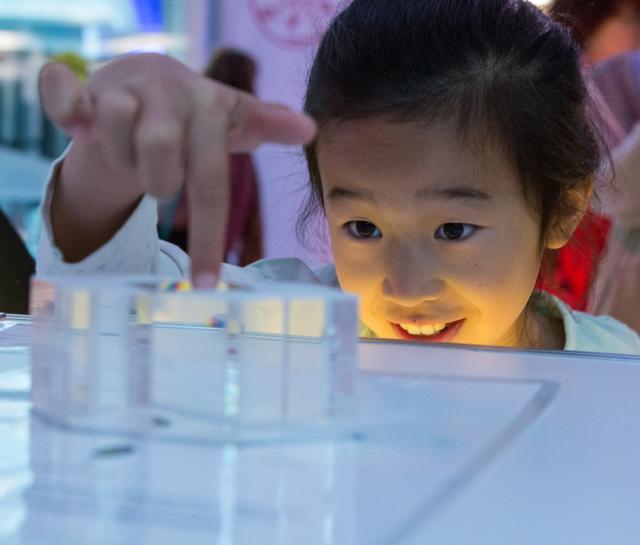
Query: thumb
[{"x": 64, "y": 99}]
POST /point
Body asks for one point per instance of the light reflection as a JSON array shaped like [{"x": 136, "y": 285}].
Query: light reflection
[
  {"x": 228, "y": 494},
  {"x": 15, "y": 473},
  {"x": 88, "y": 485},
  {"x": 15, "y": 476}
]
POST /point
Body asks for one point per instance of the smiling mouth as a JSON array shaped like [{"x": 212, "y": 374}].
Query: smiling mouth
[{"x": 438, "y": 332}]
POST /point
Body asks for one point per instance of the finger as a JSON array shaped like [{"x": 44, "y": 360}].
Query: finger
[
  {"x": 116, "y": 116},
  {"x": 208, "y": 192},
  {"x": 64, "y": 99},
  {"x": 252, "y": 122},
  {"x": 158, "y": 145}
]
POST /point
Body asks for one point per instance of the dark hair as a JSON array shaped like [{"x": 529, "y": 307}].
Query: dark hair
[
  {"x": 499, "y": 68},
  {"x": 583, "y": 17},
  {"x": 232, "y": 67}
]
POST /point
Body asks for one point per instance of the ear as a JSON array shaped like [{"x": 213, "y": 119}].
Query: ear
[{"x": 578, "y": 199}]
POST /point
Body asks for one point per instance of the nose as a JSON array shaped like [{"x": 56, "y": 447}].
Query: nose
[{"x": 412, "y": 276}]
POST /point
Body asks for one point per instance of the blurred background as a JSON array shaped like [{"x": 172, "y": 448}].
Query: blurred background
[{"x": 279, "y": 35}]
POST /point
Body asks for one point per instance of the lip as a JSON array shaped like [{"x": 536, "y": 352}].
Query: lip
[{"x": 447, "y": 335}]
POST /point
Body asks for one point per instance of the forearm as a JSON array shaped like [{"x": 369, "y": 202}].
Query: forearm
[
  {"x": 91, "y": 201},
  {"x": 133, "y": 249}
]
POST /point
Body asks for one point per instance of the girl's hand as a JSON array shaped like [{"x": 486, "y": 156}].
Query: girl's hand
[{"x": 146, "y": 124}]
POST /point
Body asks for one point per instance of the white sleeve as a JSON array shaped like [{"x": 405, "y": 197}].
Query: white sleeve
[{"x": 134, "y": 249}]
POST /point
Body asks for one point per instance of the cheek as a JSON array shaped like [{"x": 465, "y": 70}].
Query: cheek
[
  {"x": 355, "y": 266},
  {"x": 352, "y": 270},
  {"x": 503, "y": 268}
]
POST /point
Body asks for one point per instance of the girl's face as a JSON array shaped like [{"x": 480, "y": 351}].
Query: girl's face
[{"x": 434, "y": 236}]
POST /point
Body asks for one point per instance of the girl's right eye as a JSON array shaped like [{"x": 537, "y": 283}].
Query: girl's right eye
[{"x": 362, "y": 230}]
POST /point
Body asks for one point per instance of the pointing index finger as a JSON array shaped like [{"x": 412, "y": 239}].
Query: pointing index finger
[
  {"x": 253, "y": 122},
  {"x": 207, "y": 186},
  {"x": 231, "y": 121}
]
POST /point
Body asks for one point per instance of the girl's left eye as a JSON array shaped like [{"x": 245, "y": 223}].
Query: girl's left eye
[
  {"x": 455, "y": 231},
  {"x": 362, "y": 230}
]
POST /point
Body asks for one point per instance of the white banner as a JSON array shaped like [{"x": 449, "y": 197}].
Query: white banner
[{"x": 281, "y": 35}]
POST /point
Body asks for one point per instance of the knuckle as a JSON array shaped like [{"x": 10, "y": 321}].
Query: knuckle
[
  {"x": 117, "y": 107},
  {"x": 215, "y": 98},
  {"x": 159, "y": 141}
]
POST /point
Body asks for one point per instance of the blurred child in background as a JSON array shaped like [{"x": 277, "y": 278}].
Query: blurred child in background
[{"x": 609, "y": 34}]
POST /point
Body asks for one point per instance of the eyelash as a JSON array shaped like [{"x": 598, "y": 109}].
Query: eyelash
[
  {"x": 467, "y": 230},
  {"x": 351, "y": 226}
]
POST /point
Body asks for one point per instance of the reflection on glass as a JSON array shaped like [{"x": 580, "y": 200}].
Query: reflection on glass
[
  {"x": 15, "y": 474},
  {"x": 243, "y": 365}
]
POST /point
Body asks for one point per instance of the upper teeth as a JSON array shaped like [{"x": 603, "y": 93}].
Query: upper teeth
[{"x": 413, "y": 329}]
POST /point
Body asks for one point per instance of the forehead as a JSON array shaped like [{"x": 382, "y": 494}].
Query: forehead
[{"x": 389, "y": 156}]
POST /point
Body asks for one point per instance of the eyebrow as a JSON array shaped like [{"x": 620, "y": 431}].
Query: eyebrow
[{"x": 463, "y": 192}]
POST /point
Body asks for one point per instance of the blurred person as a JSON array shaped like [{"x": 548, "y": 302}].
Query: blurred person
[
  {"x": 244, "y": 229},
  {"x": 603, "y": 28},
  {"x": 609, "y": 34}
]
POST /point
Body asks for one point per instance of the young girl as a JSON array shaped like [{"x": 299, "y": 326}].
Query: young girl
[{"x": 452, "y": 156}]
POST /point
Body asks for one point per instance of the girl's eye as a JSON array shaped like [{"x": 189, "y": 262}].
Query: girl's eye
[
  {"x": 455, "y": 231},
  {"x": 362, "y": 230}
]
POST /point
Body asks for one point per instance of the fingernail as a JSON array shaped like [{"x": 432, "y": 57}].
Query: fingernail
[{"x": 205, "y": 281}]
